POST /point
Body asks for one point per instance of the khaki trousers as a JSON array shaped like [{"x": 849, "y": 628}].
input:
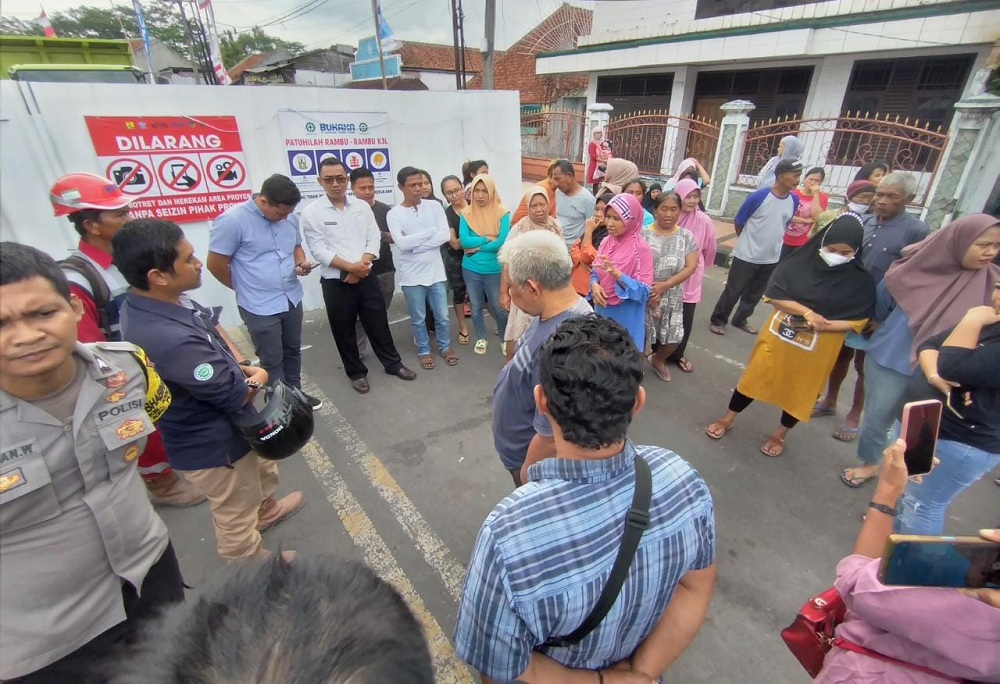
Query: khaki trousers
[{"x": 235, "y": 495}]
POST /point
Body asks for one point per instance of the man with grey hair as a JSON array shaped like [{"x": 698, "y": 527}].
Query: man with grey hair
[
  {"x": 539, "y": 272},
  {"x": 890, "y": 227}
]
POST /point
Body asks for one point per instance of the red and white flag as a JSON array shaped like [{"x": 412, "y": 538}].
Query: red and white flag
[{"x": 46, "y": 25}]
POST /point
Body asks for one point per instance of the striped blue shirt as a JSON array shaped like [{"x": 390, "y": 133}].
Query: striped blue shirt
[{"x": 543, "y": 556}]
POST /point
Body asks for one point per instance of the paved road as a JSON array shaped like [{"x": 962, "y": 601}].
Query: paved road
[{"x": 403, "y": 477}]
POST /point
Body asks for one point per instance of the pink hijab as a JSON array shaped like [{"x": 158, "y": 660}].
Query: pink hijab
[
  {"x": 931, "y": 286},
  {"x": 628, "y": 252},
  {"x": 701, "y": 226}
]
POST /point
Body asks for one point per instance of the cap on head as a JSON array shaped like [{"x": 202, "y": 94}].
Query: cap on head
[
  {"x": 787, "y": 166},
  {"x": 76, "y": 191},
  {"x": 858, "y": 187}
]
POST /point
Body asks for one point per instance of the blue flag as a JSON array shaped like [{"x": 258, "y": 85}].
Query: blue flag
[{"x": 385, "y": 31}]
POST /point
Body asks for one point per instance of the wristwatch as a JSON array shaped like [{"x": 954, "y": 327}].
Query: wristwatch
[{"x": 882, "y": 508}]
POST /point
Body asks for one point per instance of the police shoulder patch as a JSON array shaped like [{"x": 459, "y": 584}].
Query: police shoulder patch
[{"x": 203, "y": 372}]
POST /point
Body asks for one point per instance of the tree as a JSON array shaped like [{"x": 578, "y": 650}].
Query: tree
[
  {"x": 236, "y": 47},
  {"x": 164, "y": 21}
]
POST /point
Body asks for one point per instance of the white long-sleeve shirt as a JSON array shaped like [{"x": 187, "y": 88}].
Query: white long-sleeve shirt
[
  {"x": 348, "y": 234},
  {"x": 419, "y": 232}
]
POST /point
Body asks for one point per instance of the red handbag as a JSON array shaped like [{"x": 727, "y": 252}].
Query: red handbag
[{"x": 810, "y": 636}]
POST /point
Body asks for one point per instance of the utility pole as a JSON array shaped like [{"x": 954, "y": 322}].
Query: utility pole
[
  {"x": 378, "y": 42},
  {"x": 206, "y": 49},
  {"x": 461, "y": 40},
  {"x": 491, "y": 27},
  {"x": 454, "y": 38},
  {"x": 195, "y": 53}
]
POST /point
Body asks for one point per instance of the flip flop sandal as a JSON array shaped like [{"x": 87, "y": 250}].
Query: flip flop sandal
[
  {"x": 450, "y": 358},
  {"x": 819, "y": 411},
  {"x": 717, "y": 329},
  {"x": 663, "y": 374},
  {"x": 845, "y": 434},
  {"x": 480, "y": 347},
  {"x": 684, "y": 365},
  {"x": 427, "y": 362},
  {"x": 855, "y": 482},
  {"x": 747, "y": 328},
  {"x": 463, "y": 338},
  {"x": 725, "y": 429},
  {"x": 777, "y": 450}
]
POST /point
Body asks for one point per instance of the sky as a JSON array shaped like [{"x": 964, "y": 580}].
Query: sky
[{"x": 346, "y": 21}]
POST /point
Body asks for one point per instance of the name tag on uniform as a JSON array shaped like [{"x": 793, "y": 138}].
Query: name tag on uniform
[{"x": 18, "y": 451}]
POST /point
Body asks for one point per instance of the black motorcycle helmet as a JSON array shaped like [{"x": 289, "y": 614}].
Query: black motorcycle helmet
[{"x": 282, "y": 427}]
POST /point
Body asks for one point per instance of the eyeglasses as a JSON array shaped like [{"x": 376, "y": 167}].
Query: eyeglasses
[
  {"x": 453, "y": 193},
  {"x": 331, "y": 180}
]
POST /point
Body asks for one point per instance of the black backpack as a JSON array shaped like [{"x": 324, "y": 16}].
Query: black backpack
[{"x": 99, "y": 290}]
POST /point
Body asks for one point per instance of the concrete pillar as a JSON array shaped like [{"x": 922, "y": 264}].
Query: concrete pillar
[
  {"x": 969, "y": 164},
  {"x": 732, "y": 137},
  {"x": 675, "y": 137}
]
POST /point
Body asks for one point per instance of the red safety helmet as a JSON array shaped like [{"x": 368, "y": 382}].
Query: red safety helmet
[{"x": 76, "y": 191}]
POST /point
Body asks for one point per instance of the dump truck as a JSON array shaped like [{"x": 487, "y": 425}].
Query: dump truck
[{"x": 67, "y": 60}]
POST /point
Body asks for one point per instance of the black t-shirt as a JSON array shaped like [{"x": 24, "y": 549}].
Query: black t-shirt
[
  {"x": 978, "y": 373},
  {"x": 453, "y": 221},
  {"x": 384, "y": 262}
]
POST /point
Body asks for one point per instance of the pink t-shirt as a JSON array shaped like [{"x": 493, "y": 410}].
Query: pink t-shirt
[
  {"x": 941, "y": 629},
  {"x": 703, "y": 229},
  {"x": 797, "y": 234}
]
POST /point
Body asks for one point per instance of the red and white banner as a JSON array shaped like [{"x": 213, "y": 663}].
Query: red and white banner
[
  {"x": 181, "y": 168},
  {"x": 46, "y": 25}
]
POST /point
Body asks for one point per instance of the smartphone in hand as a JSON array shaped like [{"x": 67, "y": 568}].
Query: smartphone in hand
[
  {"x": 959, "y": 562},
  {"x": 921, "y": 421}
]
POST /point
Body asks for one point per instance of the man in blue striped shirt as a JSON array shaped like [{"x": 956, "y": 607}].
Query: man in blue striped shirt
[{"x": 545, "y": 552}]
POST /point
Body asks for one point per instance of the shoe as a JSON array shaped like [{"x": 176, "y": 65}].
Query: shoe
[
  {"x": 170, "y": 490},
  {"x": 316, "y": 404},
  {"x": 405, "y": 373},
  {"x": 273, "y": 511},
  {"x": 481, "y": 346},
  {"x": 361, "y": 385}
]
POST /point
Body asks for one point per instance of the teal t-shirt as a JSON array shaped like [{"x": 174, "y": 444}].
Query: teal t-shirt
[{"x": 483, "y": 262}]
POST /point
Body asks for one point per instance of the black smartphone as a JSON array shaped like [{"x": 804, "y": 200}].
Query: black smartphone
[
  {"x": 921, "y": 421},
  {"x": 960, "y": 562}
]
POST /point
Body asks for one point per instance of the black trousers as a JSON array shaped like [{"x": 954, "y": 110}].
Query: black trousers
[
  {"x": 95, "y": 662},
  {"x": 345, "y": 304},
  {"x": 688, "y": 317},
  {"x": 740, "y": 401},
  {"x": 746, "y": 284}
]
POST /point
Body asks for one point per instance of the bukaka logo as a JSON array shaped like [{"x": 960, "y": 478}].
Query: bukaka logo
[{"x": 338, "y": 127}]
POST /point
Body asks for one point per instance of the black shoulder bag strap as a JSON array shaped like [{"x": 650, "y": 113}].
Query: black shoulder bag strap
[
  {"x": 636, "y": 522},
  {"x": 99, "y": 290}
]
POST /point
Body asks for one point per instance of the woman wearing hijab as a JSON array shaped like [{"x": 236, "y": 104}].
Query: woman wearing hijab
[
  {"x": 873, "y": 172},
  {"x": 962, "y": 368},
  {"x": 819, "y": 293},
  {"x": 857, "y": 199},
  {"x": 701, "y": 227},
  {"x": 546, "y": 184},
  {"x": 789, "y": 148},
  {"x": 692, "y": 169},
  {"x": 538, "y": 218},
  {"x": 623, "y": 271},
  {"x": 619, "y": 173},
  {"x": 647, "y": 200},
  {"x": 675, "y": 258},
  {"x": 482, "y": 232},
  {"x": 924, "y": 293},
  {"x": 637, "y": 188},
  {"x": 584, "y": 251}
]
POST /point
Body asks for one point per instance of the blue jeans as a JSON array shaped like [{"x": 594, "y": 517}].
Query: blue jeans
[
  {"x": 884, "y": 393},
  {"x": 923, "y": 506},
  {"x": 417, "y": 298},
  {"x": 481, "y": 287}
]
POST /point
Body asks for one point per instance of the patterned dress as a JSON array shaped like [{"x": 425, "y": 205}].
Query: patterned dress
[{"x": 665, "y": 323}]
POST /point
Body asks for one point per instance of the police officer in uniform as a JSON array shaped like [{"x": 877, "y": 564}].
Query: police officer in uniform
[
  {"x": 210, "y": 389},
  {"x": 84, "y": 559}
]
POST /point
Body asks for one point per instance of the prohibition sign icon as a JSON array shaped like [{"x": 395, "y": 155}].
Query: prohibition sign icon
[
  {"x": 180, "y": 174},
  {"x": 131, "y": 176},
  {"x": 225, "y": 171}
]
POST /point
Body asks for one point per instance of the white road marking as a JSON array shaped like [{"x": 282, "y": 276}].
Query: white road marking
[{"x": 719, "y": 357}]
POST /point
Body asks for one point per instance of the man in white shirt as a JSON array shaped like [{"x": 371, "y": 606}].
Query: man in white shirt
[
  {"x": 342, "y": 235},
  {"x": 419, "y": 229}
]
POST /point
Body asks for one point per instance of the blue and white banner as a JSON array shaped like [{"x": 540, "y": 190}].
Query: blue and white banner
[
  {"x": 140, "y": 20},
  {"x": 357, "y": 139}
]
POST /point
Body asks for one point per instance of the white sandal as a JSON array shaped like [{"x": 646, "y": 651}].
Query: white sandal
[{"x": 480, "y": 347}]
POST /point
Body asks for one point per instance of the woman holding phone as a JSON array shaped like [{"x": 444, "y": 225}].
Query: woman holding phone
[
  {"x": 955, "y": 634},
  {"x": 963, "y": 367}
]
